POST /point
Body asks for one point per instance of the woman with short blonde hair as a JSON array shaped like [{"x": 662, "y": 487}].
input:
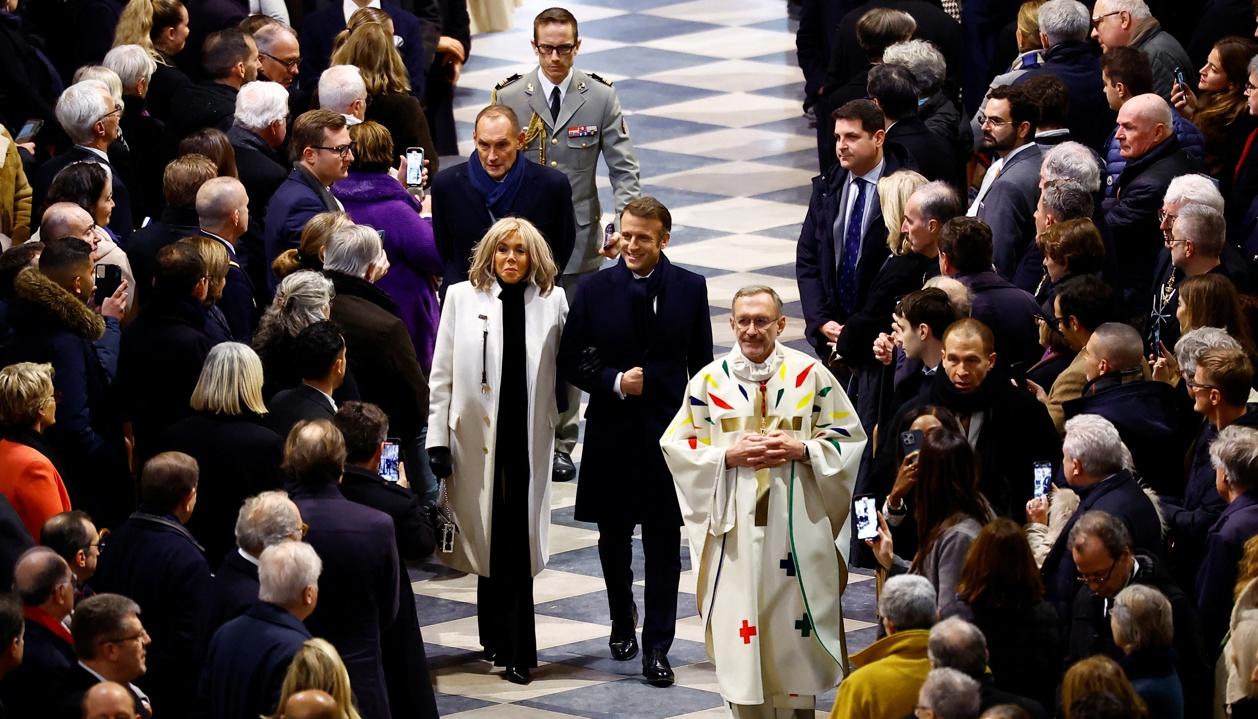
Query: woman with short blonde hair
[
  {"x": 542, "y": 270},
  {"x": 894, "y": 191},
  {"x": 314, "y": 238},
  {"x": 230, "y": 382},
  {"x": 28, "y": 479},
  {"x": 317, "y": 665},
  {"x": 217, "y": 263}
]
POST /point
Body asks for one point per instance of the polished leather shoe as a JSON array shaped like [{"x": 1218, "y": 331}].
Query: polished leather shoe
[
  {"x": 656, "y": 668},
  {"x": 520, "y": 675},
  {"x": 564, "y": 470},
  {"x": 624, "y": 649}
]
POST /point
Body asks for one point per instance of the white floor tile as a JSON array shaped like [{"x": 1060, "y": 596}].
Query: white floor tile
[
  {"x": 730, "y": 43},
  {"x": 734, "y": 144},
  {"x": 721, "y": 12},
  {"x": 738, "y": 109},
  {"x": 737, "y": 253},
  {"x": 740, "y": 215},
  {"x": 551, "y": 632},
  {"x": 723, "y": 287},
  {"x": 481, "y": 681},
  {"x": 736, "y": 179},
  {"x": 730, "y": 76}
]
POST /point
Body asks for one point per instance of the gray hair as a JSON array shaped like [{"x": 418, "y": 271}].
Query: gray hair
[
  {"x": 81, "y": 106},
  {"x": 1064, "y": 21},
  {"x": 908, "y": 602},
  {"x": 1073, "y": 161},
  {"x": 922, "y": 59},
  {"x": 949, "y": 694},
  {"x": 956, "y": 644},
  {"x": 340, "y": 86},
  {"x": 1196, "y": 189},
  {"x": 1142, "y": 618},
  {"x": 1105, "y": 527},
  {"x": 1202, "y": 225},
  {"x": 1253, "y": 65},
  {"x": 1236, "y": 451},
  {"x": 105, "y": 75},
  {"x": 266, "y": 519},
  {"x": 1067, "y": 200},
  {"x": 268, "y": 36},
  {"x": 1193, "y": 344},
  {"x": 299, "y": 301},
  {"x": 353, "y": 250},
  {"x": 1136, "y": 8},
  {"x": 938, "y": 201},
  {"x": 285, "y": 570},
  {"x": 1094, "y": 442},
  {"x": 132, "y": 64},
  {"x": 217, "y": 198},
  {"x": 958, "y": 294},
  {"x": 259, "y": 104}
]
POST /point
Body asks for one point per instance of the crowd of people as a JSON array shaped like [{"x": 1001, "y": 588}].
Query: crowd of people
[{"x": 259, "y": 351}]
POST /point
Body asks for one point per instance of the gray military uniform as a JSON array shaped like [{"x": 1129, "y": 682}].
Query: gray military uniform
[{"x": 590, "y": 121}]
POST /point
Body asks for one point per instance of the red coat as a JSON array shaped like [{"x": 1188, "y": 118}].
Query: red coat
[{"x": 32, "y": 485}]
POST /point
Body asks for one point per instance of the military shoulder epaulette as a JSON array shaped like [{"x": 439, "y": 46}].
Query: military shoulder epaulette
[
  {"x": 596, "y": 77},
  {"x": 506, "y": 82}
]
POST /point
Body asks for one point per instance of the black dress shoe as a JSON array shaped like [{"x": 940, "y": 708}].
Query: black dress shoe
[
  {"x": 488, "y": 655},
  {"x": 564, "y": 470},
  {"x": 624, "y": 649},
  {"x": 520, "y": 675},
  {"x": 657, "y": 669}
]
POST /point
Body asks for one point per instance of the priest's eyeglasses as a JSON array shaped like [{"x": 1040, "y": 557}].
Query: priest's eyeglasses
[
  {"x": 760, "y": 323},
  {"x": 564, "y": 50}
]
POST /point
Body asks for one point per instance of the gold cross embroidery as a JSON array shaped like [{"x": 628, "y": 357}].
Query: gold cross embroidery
[{"x": 764, "y": 424}]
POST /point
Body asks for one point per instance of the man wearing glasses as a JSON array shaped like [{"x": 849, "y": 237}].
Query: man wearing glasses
[
  {"x": 112, "y": 646},
  {"x": 321, "y": 151},
  {"x": 231, "y": 60},
  {"x": 573, "y": 117},
  {"x": 1129, "y": 23}
]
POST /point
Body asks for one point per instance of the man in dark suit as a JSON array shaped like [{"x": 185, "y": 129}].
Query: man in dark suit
[
  {"x": 230, "y": 60},
  {"x": 498, "y": 182},
  {"x": 1011, "y": 188},
  {"x": 265, "y": 519},
  {"x": 45, "y": 585},
  {"x": 223, "y": 212},
  {"x": 366, "y": 430},
  {"x": 360, "y": 561},
  {"x": 154, "y": 560},
  {"x": 320, "y": 148},
  {"x": 258, "y": 131},
  {"x": 893, "y": 88},
  {"x": 249, "y": 656},
  {"x": 618, "y": 346},
  {"x": 843, "y": 241},
  {"x": 319, "y": 29},
  {"x": 111, "y": 643},
  {"x": 88, "y": 114},
  {"x": 320, "y": 352},
  {"x": 180, "y": 182}
]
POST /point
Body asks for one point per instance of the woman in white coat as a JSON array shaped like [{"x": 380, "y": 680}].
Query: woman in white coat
[{"x": 491, "y": 429}]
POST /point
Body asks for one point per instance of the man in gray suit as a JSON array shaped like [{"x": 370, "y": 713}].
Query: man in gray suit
[
  {"x": 570, "y": 117},
  {"x": 1010, "y": 191}
]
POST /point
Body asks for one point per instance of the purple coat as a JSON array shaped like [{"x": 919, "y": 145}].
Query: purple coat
[{"x": 376, "y": 199}]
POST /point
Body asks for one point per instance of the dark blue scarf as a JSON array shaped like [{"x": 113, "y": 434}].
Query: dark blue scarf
[{"x": 499, "y": 196}]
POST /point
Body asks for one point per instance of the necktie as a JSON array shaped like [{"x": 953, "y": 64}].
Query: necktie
[
  {"x": 992, "y": 173},
  {"x": 851, "y": 250},
  {"x": 554, "y": 104}
]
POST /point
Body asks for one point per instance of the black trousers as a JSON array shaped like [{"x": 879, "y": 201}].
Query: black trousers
[
  {"x": 661, "y": 547},
  {"x": 504, "y": 616}
]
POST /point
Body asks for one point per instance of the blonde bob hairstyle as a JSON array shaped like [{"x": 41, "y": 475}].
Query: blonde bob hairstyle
[
  {"x": 317, "y": 665},
  {"x": 230, "y": 382},
  {"x": 894, "y": 191},
  {"x": 371, "y": 48},
  {"x": 25, "y": 389},
  {"x": 542, "y": 270},
  {"x": 314, "y": 238},
  {"x": 217, "y": 264}
]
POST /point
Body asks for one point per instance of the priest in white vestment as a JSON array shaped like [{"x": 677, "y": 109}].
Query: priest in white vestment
[{"x": 764, "y": 454}]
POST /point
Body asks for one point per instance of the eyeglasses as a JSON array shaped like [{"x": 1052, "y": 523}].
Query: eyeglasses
[
  {"x": 116, "y": 111},
  {"x": 564, "y": 50},
  {"x": 760, "y": 323},
  {"x": 1193, "y": 385},
  {"x": 342, "y": 150},
  {"x": 1163, "y": 216},
  {"x": 1053, "y": 321},
  {"x": 1096, "y": 21},
  {"x": 290, "y": 65},
  {"x": 1094, "y": 581},
  {"x": 996, "y": 121},
  {"x": 1249, "y": 87},
  {"x": 123, "y": 640},
  {"x": 1171, "y": 241}
]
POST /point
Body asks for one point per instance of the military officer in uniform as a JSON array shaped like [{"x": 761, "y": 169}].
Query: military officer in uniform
[{"x": 570, "y": 117}]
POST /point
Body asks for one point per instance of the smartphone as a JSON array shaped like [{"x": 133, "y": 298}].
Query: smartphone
[
  {"x": 866, "y": 517},
  {"x": 414, "y": 166},
  {"x": 1017, "y": 370},
  {"x": 911, "y": 441},
  {"x": 1179, "y": 78},
  {"x": 609, "y": 236},
  {"x": 389, "y": 460},
  {"x": 108, "y": 277},
  {"x": 1043, "y": 478},
  {"x": 29, "y": 130}
]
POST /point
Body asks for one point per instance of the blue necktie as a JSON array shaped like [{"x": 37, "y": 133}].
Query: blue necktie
[{"x": 851, "y": 250}]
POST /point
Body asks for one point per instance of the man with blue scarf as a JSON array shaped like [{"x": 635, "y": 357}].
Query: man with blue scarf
[{"x": 497, "y": 182}]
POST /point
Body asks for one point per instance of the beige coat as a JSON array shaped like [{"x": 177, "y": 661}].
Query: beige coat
[{"x": 15, "y": 193}]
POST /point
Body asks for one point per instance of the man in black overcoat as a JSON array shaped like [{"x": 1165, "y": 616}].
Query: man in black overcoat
[{"x": 635, "y": 334}]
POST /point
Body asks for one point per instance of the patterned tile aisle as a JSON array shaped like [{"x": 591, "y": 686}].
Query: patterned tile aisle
[{"x": 711, "y": 91}]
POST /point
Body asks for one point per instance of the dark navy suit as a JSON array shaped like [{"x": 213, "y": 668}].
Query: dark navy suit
[
  {"x": 120, "y": 222},
  {"x": 248, "y": 659},
  {"x": 319, "y": 29},
  {"x": 1225, "y": 545},
  {"x": 48, "y": 655},
  {"x": 237, "y": 302},
  {"x": 297, "y": 200},
  {"x": 233, "y": 589}
]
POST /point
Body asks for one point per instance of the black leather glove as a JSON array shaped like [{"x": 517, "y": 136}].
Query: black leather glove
[
  {"x": 440, "y": 461},
  {"x": 591, "y": 362}
]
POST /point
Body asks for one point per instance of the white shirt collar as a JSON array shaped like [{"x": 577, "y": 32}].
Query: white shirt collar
[
  {"x": 1005, "y": 160},
  {"x": 326, "y": 396},
  {"x": 872, "y": 176},
  {"x": 350, "y": 120},
  {"x": 547, "y": 86},
  {"x": 248, "y": 557},
  {"x": 349, "y": 7},
  {"x": 134, "y": 689},
  {"x": 102, "y": 155}
]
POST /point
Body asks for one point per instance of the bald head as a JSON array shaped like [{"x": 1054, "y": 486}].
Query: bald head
[
  {"x": 66, "y": 219},
  {"x": 1144, "y": 122},
  {"x": 37, "y": 576},
  {"x": 108, "y": 700},
  {"x": 223, "y": 206},
  {"x": 311, "y": 704},
  {"x": 1118, "y": 345}
]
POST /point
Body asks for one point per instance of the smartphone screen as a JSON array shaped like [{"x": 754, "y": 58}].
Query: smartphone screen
[
  {"x": 414, "y": 166},
  {"x": 866, "y": 517},
  {"x": 609, "y": 235},
  {"x": 29, "y": 130},
  {"x": 108, "y": 277},
  {"x": 389, "y": 470},
  {"x": 1043, "y": 478}
]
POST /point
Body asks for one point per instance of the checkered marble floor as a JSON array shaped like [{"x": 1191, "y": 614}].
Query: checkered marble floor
[{"x": 712, "y": 93}]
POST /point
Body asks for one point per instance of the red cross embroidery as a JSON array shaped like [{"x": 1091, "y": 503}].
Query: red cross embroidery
[{"x": 747, "y": 631}]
